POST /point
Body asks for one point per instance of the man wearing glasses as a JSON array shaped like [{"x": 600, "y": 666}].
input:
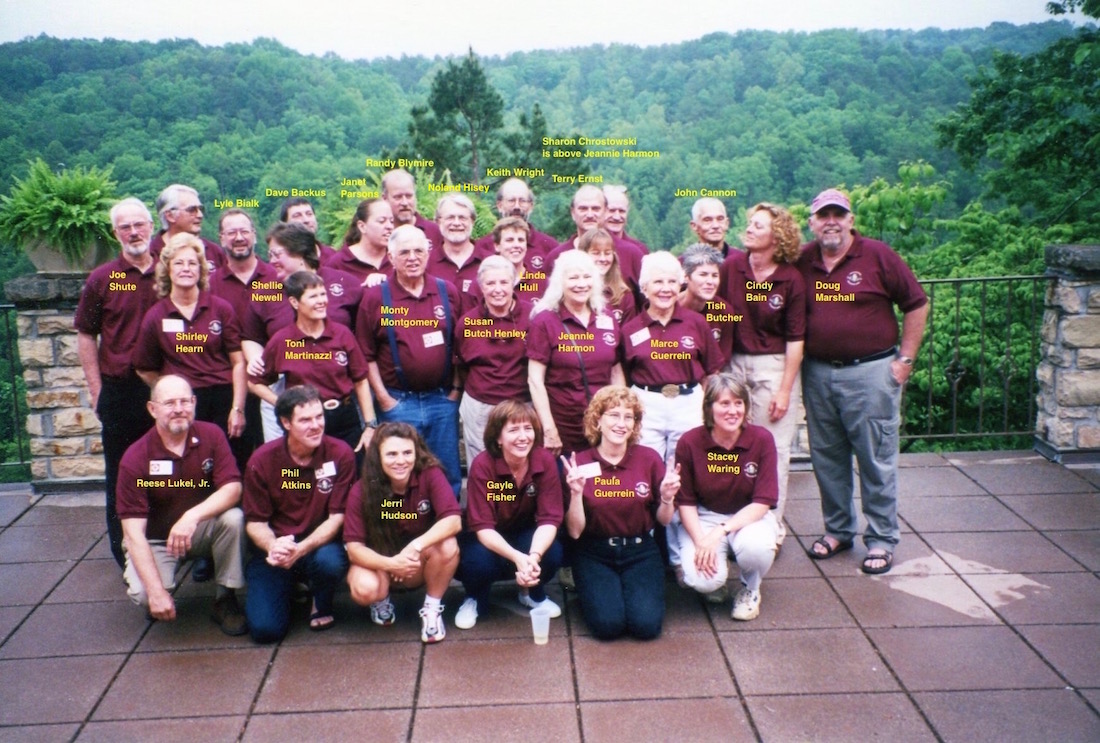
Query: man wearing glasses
[
  {"x": 178, "y": 490},
  {"x": 180, "y": 210},
  {"x": 108, "y": 318},
  {"x": 458, "y": 260}
]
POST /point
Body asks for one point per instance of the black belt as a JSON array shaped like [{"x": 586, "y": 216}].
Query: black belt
[
  {"x": 839, "y": 363},
  {"x": 622, "y": 541},
  {"x": 669, "y": 390}
]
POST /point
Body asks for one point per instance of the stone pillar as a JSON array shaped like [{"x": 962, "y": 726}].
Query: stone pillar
[
  {"x": 66, "y": 450},
  {"x": 1069, "y": 370}
]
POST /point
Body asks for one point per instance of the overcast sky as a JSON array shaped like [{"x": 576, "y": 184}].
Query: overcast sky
[{"x": 367, "y": 29}]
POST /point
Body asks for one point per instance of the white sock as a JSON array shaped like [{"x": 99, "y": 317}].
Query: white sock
[{"x": 432, "y": 603}]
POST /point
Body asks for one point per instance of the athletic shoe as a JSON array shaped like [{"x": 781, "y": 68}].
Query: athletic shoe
[
  {"x": 382, "y": 612},
  {"x": 718, "y": 596},
  {"x": 530, "y": 603},
  {"x": 432, "y": 628},
  {"x": 746, "y": 605},
  {"x": 466, "y": 617}
]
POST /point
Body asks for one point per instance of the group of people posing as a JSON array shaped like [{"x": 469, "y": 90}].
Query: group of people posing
[{"x": 623, "y": 411}]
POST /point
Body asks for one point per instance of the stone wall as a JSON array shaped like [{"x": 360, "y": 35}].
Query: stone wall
[
  {"x": 1069, "y": 372},
  {"x": 65, "y": 446}
]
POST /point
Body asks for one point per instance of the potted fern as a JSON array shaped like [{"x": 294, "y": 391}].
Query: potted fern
[{"x": 62, "y": 220}]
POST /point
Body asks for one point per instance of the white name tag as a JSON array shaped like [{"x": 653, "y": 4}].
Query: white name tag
[
  {"x": 160, "y": 466},
  {"x": 590, "y": 470},
  {"x": 434, "y": 338},
  {"x": 604, "y": 322},
  {"x": 328, "y": 469},
  {"x": 466, "y": 285},
  {"x": 172, "y": 325},
  {"x": 640, "y": 336}
]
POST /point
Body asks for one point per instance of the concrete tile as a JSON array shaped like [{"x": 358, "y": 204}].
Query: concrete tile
[
  {"x": 10, "y": 617},
  {"x": 496, "y": 672},
  {"x": 12, "y": 507},
  {"x": 38, "y": 733},
  {"x": 1071, "y": 649},
  {"x": 802, "y": 486},
  {"x": 186, "y": 730},
  {"x": 1092, "y": 695},
  {"x": 790, "y": 603},
  {"x": 1057, "y": 510},
  {"x": 191, "y": 684},
  {"x": 29, "y": 582},
  {"x": 44, "y": 514},
  {"x": 935, "y": 482},
  {"x": 804, "y": 519},
  {"x": 963, "y": 513},
  {"x": 923, "y": 459},
  {"x": 827, "y": 717},
  {"x": 341, "y": 677},
  {"x": 191, "y": 630},
  {"x": 90, "y": 580},
  {"x": 913, "y": 601},
  {"x": 1004, "y": 551},
  {"x": 632, "y": 669},
  {"x": 1090, "y": 473},
  {"x": 1083, "y": 546},
  {"x": 791, "y": 562},
  {"x": 1011, "y": 716},
  {"x": 547, "y": 722},
  {"x": 372, "y": 725},
  {"x": 959, "y": 658},
  {"x": 718, "y": 719},
  {"x": 43, "y": 543},
  {"x": 1043, "y": 598},
  {"x": 1027, "y": 477},
  {"x": 77, "y": 629},
  {"x": 911, "y": 557},
  {"x": 805, "y": 662},
  {"x": 33, "y": 694},
  {"x": 506, "y": 618},
  {"x": 968, "y": 458}
]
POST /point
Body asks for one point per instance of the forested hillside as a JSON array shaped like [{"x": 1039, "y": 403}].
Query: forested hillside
[{"x": 774, "y": 116}]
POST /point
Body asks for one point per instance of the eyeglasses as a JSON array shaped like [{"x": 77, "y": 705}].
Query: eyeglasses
[
  {"x": 407, "y": 252},
  {"x": 196, "y": 209},
  {"x": 619, "y": 417}
]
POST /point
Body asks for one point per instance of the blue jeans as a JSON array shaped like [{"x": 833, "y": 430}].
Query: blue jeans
[
  {"x": 269, "y": 587},
  {"x": 855, "y": 410},
  {"x": 479, "y": 566},
  {"x": 436, "y": 419},
  {"x": 621, "y": 588}
]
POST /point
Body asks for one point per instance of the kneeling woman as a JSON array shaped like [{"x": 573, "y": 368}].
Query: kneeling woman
[
  {"x": 400, "y": 528},
  {"x": 513, "y": 512},
  {"x": 618, "y": 492},
  {"x": 728, "y": 488}
]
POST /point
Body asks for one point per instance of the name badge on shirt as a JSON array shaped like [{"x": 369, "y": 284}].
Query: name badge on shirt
[
  {"x": 435, "y": 338},
  {"x": 160, "y": 466},
  {"x": 590, "y": 470},
  {"x": 466, "y": 285},
  {"x": 604, "y": 322},
  {"x": 640, "y": 336},
  {"x": 328, "y": 469},
  {"x": 172, "y": 325}
]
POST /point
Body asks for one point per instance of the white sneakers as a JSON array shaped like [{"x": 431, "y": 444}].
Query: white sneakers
[
  {"x": 432, "y": 629},
  {"x": 530, "y": 603},
  {"x": 746, "y": 605},
  {"x": 466, "y": 617},
  {"x": 382, "y": 612}
]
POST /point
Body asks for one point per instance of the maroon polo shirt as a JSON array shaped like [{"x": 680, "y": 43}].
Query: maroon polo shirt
[
  {"x": 560, "y": 341},
  {"x": 215, "y": 256},
  {"x": 346, "y": 261},
  {"x": 682, "y": 352},
  {"x": 113, "y": 301},
  {"x": 266, "y": 317},
  {"x": 532, "y": 284},
  {"x": 430, "y": 229},
  {"x": 625, "y": 309},
  {"x": 332, "y": 363},
  {"x": 636, "y": 243},
  {"x": 156, "y": 484},
  {"x": 197, "y": 349},
  {"x": 325, "y": 253},
  {"x": 241, "y": 294},
  {"x": 723, "y": 324},
  {"x": 774, "y": 310},
  {"x": 726, "y": 480},
  {"x": 493, "y": 350},
  {"x": 539, "y": 245},
  {"x": 427, "y": 499},
  {"x": 463, "y": 277},
  {"x": 293, "y": 499},
  {"x": 850, "y": 310},
  {"x": 630, "y": 258},
  {"x": 420, "y": 328},
  {"x": 496, "y": 501},
  {"x": 622, "y": 501}
]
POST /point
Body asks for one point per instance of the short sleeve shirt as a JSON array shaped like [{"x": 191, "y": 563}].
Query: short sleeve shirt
[
  {"x": 197, "y": 348},
  {"x": 681, "y": 352},
  {"x": 774, "y": 310},
  {"x": 622, "y": 500},
  {"x": 332, "y": 363},
  {"x": 496, "y": 501},
  {"x": 493, "y": 350},
  {"x": 726, "y": 480},
  {"x": 427, "y": 499},
  {"x": 113, "y": 301},
  {"x": 158, "y": 485}
]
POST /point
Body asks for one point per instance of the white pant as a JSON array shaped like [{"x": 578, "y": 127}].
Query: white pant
[
  {"x": 763, "y": 374},
  {"x": 667, "y": 418},
  {"x": 475, "y": 416},
  {"x": 753, "y": 549},
  {"x": 272, "y": 429}
]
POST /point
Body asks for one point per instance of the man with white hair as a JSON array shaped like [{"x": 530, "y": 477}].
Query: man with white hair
[
  {"x": 180, "y": 210},
  {"x": 711, "y": 223}
]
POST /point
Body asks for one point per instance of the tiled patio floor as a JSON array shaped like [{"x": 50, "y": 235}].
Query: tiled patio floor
[{"x": 987, "y": 629}]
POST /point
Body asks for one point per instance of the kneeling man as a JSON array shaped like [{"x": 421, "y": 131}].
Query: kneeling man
[
  {"x": 178, "y": 489},
  {"x": 295, "y": 490}
]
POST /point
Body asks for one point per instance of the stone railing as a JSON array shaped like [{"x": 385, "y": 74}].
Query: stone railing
[{"x": 1069, "y": 373}]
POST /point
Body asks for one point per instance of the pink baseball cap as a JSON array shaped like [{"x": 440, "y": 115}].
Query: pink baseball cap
[{"x": 830, "y": 197}]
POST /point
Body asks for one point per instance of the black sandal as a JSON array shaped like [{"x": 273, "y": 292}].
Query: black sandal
[
  {"x": 887, "y": 557},
  {"x": 830, "y": 551}
]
